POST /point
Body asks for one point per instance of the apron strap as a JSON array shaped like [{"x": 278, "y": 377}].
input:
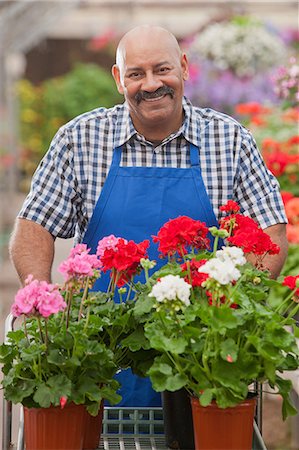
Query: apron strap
[
  {"x": 194, "y": 155},
  {"x": 116, "y": 157}
]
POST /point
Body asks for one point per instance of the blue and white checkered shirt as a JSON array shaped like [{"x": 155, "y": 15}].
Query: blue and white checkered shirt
[{"x": 69, "y": 179}]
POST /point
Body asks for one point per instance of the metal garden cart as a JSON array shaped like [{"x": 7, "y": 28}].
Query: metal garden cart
[{"x": 123, "y": 428}]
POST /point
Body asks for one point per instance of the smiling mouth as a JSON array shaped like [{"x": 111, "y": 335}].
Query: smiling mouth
[{"x": 155, "y": 99}]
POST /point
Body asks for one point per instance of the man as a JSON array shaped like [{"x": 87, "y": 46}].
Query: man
[{"x": 127, "y": 170}]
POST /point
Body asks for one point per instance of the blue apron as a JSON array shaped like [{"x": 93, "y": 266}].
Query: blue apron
[{"x": 134, "y": 203}]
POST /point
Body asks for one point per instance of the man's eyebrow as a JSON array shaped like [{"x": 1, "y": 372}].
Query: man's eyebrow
[{"x": 132, "y": 69}]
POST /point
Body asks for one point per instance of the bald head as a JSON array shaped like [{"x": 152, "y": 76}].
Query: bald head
[{"x": 144, "y": 36}]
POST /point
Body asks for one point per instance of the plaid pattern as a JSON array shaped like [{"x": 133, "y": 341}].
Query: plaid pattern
[{"x": 69, "y": 179}]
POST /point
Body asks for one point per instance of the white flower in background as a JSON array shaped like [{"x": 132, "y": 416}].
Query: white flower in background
[
  {"x": 171, "y": 287},
  {"x": 222, "y": 271},
  {"x": 246, "y": 49},
  {"x": 233, "y": 254}
]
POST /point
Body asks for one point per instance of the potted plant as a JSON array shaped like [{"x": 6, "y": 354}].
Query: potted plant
[
  {"x": 209, "y": 317},
  {"x": 62, "y": 360}
]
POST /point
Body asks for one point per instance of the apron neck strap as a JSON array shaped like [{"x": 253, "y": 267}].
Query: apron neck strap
[
  {"x": 194, "y": 155},
  {"x": 116, "y": 157}
]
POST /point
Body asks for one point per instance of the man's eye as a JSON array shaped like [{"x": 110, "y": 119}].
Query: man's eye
[
  {"x": 164, "y": 69},
  {"x": 134, "y": 75}
]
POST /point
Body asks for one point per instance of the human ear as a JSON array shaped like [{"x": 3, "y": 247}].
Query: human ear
[
  {"x": 116, "y": 75},
  {"x": 184, "y": 66}
]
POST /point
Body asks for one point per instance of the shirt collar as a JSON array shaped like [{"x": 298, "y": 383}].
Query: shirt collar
[{"x": 189, "y": 129}]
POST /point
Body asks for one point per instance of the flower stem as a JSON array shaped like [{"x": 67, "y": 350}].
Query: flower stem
[
  {"x": 25, "y": 329},
  {"x": 40, "y": 329},
  {"x": 83, "y": 298}
]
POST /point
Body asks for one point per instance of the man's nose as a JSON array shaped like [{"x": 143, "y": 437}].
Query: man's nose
[{"x": 151, "y": 82}]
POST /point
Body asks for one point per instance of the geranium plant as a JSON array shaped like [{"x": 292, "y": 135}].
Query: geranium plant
[
  {"x": 208, "y": 317},
  {"x": 67, "y": 348}
]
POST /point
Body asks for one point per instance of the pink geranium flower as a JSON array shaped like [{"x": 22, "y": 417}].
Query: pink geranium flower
[
  {"x": 109, "y": 242},
  {"x": 50, "y": 300},
  {"x": 37, "y": 297},
  {"x": 80, "y": 263}
]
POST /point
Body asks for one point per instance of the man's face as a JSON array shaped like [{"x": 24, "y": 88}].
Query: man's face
[{"x": 151, "y": 76}]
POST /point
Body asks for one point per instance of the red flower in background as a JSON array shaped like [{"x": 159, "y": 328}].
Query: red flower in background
[
  {"x": 286, "y": 196},
  {"x": 294, "y": 140},
  {"x": 293, "y": 233},
  {"x": 250, "y": 109},
  {"x": 192, "y": 267},
  {"x": 277, "y": 162},
  {"x": 178, "y": 234},
  {"x": 124, "y": 259}
]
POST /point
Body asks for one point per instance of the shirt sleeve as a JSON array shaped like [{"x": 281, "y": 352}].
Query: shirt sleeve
[
  {"x": 256, "y": 189},
  {"x": 54, "y": 198}
]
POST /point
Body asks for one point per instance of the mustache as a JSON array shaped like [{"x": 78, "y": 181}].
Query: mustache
[{"x": 164, "y": 90}]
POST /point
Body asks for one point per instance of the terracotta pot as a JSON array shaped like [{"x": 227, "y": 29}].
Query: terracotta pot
[
  {"x": 93, "y": 428},
  {"x": 54, "y": 428},
  {"x": 223, "y": 429}
]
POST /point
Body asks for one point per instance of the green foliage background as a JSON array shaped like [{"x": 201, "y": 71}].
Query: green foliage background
[{"x": 44, "y": 108}]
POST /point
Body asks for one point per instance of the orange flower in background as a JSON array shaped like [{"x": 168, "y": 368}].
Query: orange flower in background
[
  {"x": 292, "y": 210},
  {"x": 286, "y": 196},
  {"x": 270, "y": 145},
  {"x": 291, "y": 115},
  {"x": 293, "y": 233}
]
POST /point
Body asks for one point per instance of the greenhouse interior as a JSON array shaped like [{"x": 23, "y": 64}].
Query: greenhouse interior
[{"x": 55, "y": 64}]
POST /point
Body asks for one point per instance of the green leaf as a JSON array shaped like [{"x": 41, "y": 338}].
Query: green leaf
[
  {"x": 229, "y": 350},
  {"x": 136, "y": 341},
  {"x": 206, "y": 397},
  {"x": 143, "y": 305},
  {"x": 56, "y": 357},
  {"x": 287, "y": 408},
  {"x": 60, "y": 386},
  {"x": 43, "y": 395},
  {"x": 176, "y": 382},
  {"x": 109, "y": 394},
  {"x": 16, "y": 336},
  {"x": 33, "y": 352},
  {"x": 19, "y": 390}
]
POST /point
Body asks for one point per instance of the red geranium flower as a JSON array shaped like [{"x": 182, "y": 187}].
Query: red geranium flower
[
  {"x": 254, "y": 241},
  {"x": 192, "y": 267},
  {"x": 235, "y": 222},
  {"x": 290, "y": 281},
  {"x": 230, "y": 207},
  {"x": 124, "y": 260},
  {"x": 178, "y": 234}
]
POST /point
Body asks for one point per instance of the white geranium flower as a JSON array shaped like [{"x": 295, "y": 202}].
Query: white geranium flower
[
  {"x": 222, "y": 271},
  {"x": 233, "y": 254},
  {"x": 171, "y": 287}
]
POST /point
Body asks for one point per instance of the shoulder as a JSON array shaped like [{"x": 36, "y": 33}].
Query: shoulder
[
  {"x": 216, "y": 120},
  {"x": 98, "y": 117}
]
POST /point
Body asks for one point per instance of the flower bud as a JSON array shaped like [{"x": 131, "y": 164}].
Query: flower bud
[
  {"x": 147, "y": 263},
  {"x": 63, "y": 402}
]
